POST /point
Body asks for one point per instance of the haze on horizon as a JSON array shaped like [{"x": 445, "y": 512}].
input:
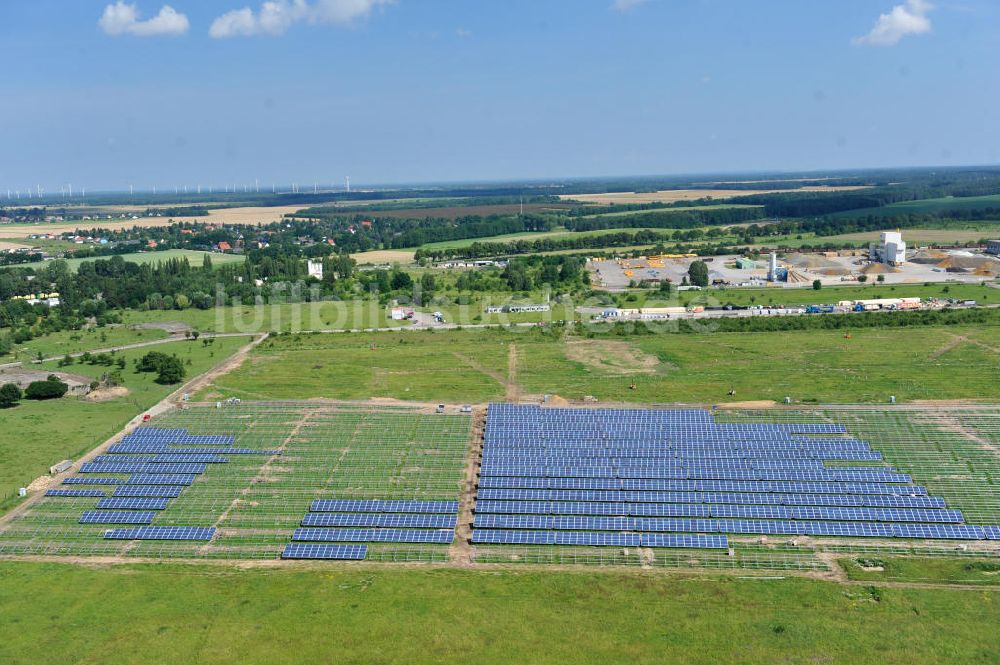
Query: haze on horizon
[{"x": 105, "y": 95}]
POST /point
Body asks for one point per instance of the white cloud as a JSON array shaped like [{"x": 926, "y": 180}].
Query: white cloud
[
  {"x": 463, "y": 32},
  {"x": 275, "y": 17},
  {"x": 626, "y": 5},
  {"x": 906, "y": 19},
  {"x": 122, "y": 18}
]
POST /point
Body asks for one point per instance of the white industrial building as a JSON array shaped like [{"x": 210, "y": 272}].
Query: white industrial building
[
  {"x": 890, "y": 249},
  {"x": 315, "y": 269}
]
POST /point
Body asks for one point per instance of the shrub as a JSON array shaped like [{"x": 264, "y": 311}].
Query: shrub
[
  {"x": 10, "y": 395},
  {"x": 51, "y": 388}
]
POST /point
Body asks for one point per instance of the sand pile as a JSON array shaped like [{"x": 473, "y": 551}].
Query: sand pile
[
  {"x": 926, "y": 256},
  {"x": 878, "y": 269}
]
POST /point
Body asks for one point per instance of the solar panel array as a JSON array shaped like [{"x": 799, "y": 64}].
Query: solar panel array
[
  {"x": 160, "y": 463},
  {"x": 371, "y": 521},
  {"x": 670, "y": 478}
]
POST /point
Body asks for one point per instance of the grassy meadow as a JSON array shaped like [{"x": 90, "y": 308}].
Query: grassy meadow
[
  {"x": 171, "y": 613},
  {"x": 868, "y": 365},
  {"x": 41, "y": 433}
]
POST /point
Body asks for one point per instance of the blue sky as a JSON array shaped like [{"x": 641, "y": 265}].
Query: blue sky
[{"x": 436, "y": 90}]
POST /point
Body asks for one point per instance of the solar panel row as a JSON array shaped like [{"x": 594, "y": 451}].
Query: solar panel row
[
  {"x": 676, "y": 485},
  {"x": 77, "y": 480},
  {"x": 162, "y": 448},
  {"x": 140, "y": 467},
  {"x": 381, "y": 520},
  {"x": 382, "y": 506},
  {"x": 863, "y": 475},
  {"x": 501, "y": 537},
  {"x": 58, "y": 492},
  {"x": 746, "y": 498},
  {"x": 737, "y": 526},
  {"x": 169, "y": 491},
  {"x": 160, "y": 479},
  {"x": 323, "y": 551},
  {"x": 443, "y": 537},
  {"x": 133, "y": 503},
  {"x": 720, "y": 510},
  {"x": 117, "y": 517}
]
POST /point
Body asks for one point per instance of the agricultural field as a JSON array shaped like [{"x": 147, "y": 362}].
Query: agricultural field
[
  {"x": 454, "y": 212},
  {"x": 41, "y": 433},
  {"x": 240, "y": 215},
  {"x": 867, "y": 365},
  {"x": 674, "y": 195}
]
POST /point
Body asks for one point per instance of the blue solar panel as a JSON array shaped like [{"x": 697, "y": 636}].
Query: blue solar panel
[
  {"x": 116, "y": 517},
  {"x": 162, "y": 533},
  {"x": 160, "y": 479},
  {"x": 684, "y": 540},
  {"x": 58, "y": 492},
  {"x": 133, "y": 503},
  {"x": 613, "y": 470},
  {"x": 576, "y": 523},
  {"x": 324, "y": 551},
  {"x": 382, "y": 506},
  {"x": 381, "y": 520},
  {"x": 374, "y": 535},
  {"x": 991, "y": 532},
  {"x": 597, "y": 538},
  {"x": 502, "y": 537},
  {"x": 91, "y": 481},
  {"x": 203, "y": 458},
  {"x": 946, "y": 531},
  {"x": 494, "y": 521},
  {"x": 168, "y": 491},
  {"x": 140, "y": 467}
]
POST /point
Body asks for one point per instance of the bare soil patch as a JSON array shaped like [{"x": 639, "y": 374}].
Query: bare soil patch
[
  {"x": 106, "y": 394},
  {"x": 749, "y": 404},
  {"x": 612, "y": 357},
  {"x": 171, "y": 327},
  {"x": 246, "y": 215}
]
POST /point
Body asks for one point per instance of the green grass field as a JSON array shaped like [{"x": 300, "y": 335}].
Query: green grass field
[
  {"x": 984, "y": 572},
  {"x": 827, "y": 295},
  {"x": 40, "y": 434},
  {"x": 75, "y": 341},
  {"x": 927, "y": 206},
  {"x": 473, "y": 366},
  {"x": 365, "y": 614},
  {"x": 555, "y": 234},
  {"x": 326, "y": 315},
  {"x": 195, "y": 258}
]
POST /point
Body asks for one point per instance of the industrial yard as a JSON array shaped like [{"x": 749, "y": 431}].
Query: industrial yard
[{"x": 802, "y": 269}]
